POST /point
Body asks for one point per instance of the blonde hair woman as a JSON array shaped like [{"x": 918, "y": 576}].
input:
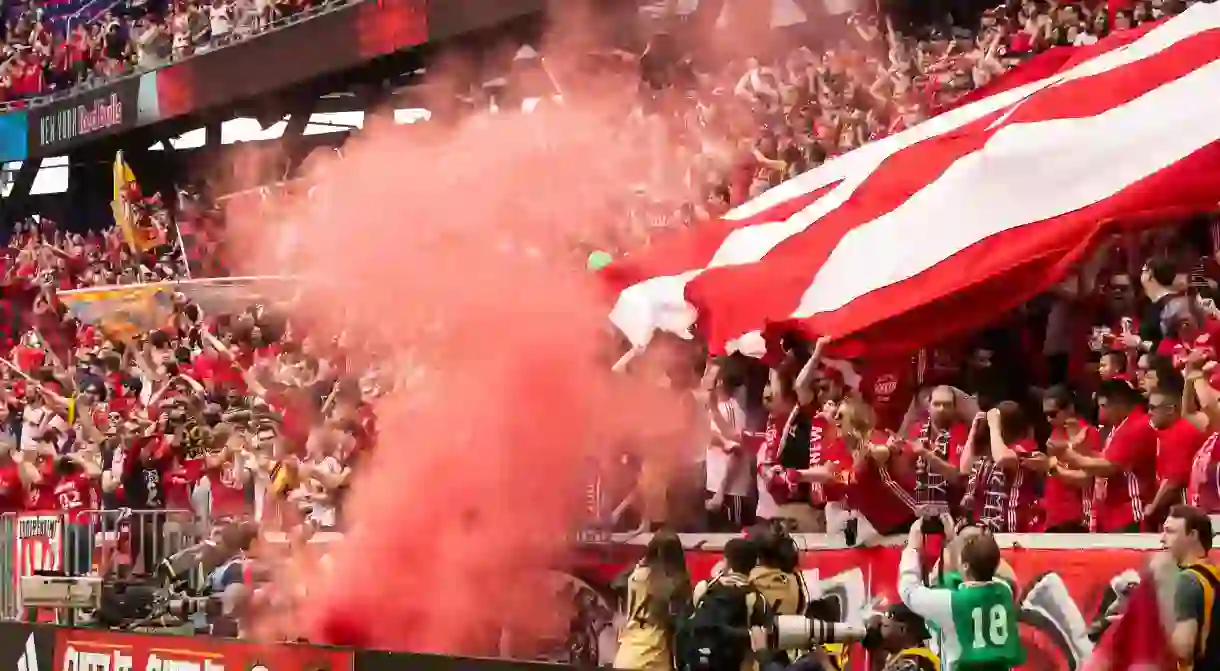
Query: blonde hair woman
[{"x": 879, "y": 491}]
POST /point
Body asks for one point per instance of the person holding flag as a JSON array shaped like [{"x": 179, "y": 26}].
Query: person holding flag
[
  {"x": 977, "y": 621},
  {"x": 139, "y": 231}
]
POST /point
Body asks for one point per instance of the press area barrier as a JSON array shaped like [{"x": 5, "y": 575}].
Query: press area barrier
[
  {"x": 88, "y": 542},
  {"x": 39, "y": 647}
]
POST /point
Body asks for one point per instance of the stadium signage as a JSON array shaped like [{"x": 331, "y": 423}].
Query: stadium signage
[
  {"x": 71, "y": 122},
  {"x": 66, "y": 123},
  {"x": 88, "y": 650}
]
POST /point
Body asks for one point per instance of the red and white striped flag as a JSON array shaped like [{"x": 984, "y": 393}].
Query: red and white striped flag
[
  {"x": 946, "y": 226},
  {"x": 1138, "y": 641}
]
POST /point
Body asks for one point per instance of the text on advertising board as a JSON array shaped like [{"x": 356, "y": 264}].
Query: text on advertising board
[
  {"x": 84, "y": 650},
  {"x": 68, "y": 123}
]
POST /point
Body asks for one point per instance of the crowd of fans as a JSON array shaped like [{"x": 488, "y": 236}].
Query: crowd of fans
[
  {"x": 216, "y": 416},
  {"x": 1093, "y": 409},
  {"x": 47, "y": 52},
  {"x": 745, "y": 125}
]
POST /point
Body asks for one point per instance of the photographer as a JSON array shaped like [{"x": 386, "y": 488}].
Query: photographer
[
  {"x": 806, "y": 634},
  {"x": 902, "y": 638},
  {"x": 978, "y": 619},
  {"x": 777, "y": 577},
  {"x": 730, "y": 624}
]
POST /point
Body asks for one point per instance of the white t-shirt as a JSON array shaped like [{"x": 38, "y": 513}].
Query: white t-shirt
[
  {"x": 32, "y": 419},
  {"x": 322, "y": 513},
  {"x": 717, "y": 458},
  {"x": 221, "y": 20}
]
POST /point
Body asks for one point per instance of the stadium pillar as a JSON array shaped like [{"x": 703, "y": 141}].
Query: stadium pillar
[
  {"x": 13, "y": 206},
  {"x": 378, "y": 106},
  {"x": 211, "y": 135},
  {"x": 295, "y": 147}
]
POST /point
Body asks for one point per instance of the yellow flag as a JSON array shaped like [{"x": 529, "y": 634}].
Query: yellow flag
[{"x": 138, "y": 240}]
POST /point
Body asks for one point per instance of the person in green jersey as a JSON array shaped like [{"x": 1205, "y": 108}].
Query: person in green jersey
[
  {"x": 947, "y": 573},
  {"x": 978, "y": 620}
]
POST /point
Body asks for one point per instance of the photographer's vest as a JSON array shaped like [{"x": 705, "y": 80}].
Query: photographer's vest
[
  {"x": 1207, "y": 641},
  {"x": 924, "y": 659}
]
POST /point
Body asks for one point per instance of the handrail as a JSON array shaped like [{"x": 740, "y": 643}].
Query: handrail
[
  {"x": 71, "y": 18},
  {"x": 282, "y": 23}
]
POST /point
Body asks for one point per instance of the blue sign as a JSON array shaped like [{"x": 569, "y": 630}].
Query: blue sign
[{"x": 14, "y": 129}]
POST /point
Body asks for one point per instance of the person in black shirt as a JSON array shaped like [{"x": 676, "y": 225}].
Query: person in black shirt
[{"x": 1165, "y": 304}]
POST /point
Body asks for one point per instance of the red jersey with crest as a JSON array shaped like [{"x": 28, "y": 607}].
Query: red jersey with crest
[
  {"x": 889, "y": 387},
  {"x": 825, "y": 449},
  {"x": 75, "y": 496},
  {"x": 879, "y": 493},
  {"x": 41, "y": 497},
  {"x": 1175, "y": 451},
  {"x": 228, "y": 491},
  {"x": 1063, "y": 501},
  {"x": 1119, "y": 500},
  {"x": 179, "y": 480}
]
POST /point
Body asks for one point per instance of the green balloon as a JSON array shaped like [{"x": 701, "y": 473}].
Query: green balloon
[{"x": 598, "y": 260}]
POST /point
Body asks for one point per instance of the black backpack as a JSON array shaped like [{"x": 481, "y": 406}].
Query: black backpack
[{"x": 715, "y": 637}]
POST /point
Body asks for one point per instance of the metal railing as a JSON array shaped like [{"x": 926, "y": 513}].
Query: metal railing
[
  {"x": 326, "y": 7},
  {"x": 99, "y": 543},
  {"x": 75, "y": 17}
]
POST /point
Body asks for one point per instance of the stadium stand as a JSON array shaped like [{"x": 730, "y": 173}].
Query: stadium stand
[{"x": 253, "y": 427}]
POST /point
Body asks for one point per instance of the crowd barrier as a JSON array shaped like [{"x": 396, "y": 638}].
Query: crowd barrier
[
  {"x": 87, "y": 542},
  {"x": 1064, "y": 582},
  {"x": 33, "y": 647}
]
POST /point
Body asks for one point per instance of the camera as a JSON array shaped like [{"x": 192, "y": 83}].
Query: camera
[
  {"x": 930, "y": 514},
  {"x": 794, "y": 632},
  {"x": 818, "y": 625}
]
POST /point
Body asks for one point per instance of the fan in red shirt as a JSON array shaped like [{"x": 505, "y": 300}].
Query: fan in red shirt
[
  {"x": 28, "y": 355},
  {"x": 785, "y": 467},
  {"x": 1179, "y": 437},
  {"x": 1201, "y": 402},
  {"x": 883, "y": 497},
  {"x": 1068, "y": 494},
  {"x": 1203, "y": 489},
  {"x": 227, "y": 478},
  {"x": 1125, "y": 471},
  {"x": 77, "y": 496},
  {"x": 38, "y": 474},
  {"x": 12, "y": 490},
  {"x": 1005, "y": 468},
  {"x": 889, "y": 387}
]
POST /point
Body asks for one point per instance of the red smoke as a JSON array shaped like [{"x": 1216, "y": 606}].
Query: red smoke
[{"x": 450, "y": 249}]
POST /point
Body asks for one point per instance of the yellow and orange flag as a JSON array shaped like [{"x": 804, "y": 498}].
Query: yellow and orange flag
[{"x": 137, "y": 239}]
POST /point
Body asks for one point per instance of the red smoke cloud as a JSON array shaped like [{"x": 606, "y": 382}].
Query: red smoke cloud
[{"x": 450, "y": 248}]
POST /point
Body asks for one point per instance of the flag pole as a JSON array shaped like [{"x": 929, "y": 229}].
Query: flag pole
[{"x": 186, "y": 260}]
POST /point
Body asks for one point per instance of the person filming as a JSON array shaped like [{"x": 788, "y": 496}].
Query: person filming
[{"x": 978, "y": 620}]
